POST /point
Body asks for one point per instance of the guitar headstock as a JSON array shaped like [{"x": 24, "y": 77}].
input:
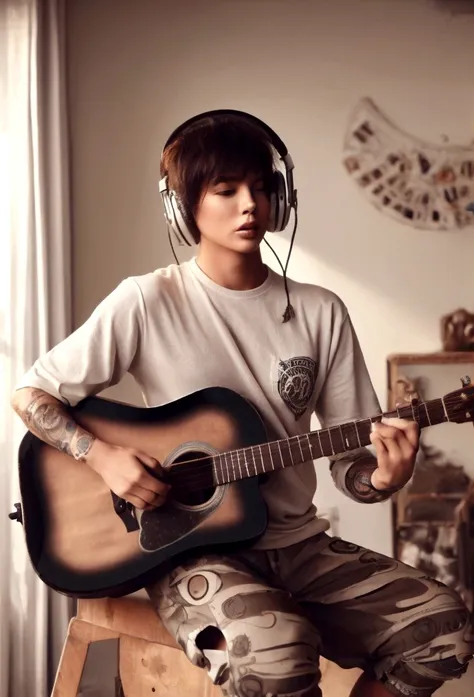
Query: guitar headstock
[{"x": 460, "y": 403}]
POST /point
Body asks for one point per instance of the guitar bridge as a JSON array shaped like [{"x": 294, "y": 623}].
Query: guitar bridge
[{"x": 124, "y": 510}]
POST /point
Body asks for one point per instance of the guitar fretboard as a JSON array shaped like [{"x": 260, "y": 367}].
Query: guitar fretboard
[{"x": 267, "y": 457}]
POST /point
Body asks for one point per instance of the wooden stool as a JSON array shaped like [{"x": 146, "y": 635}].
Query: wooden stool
[{"x": 150, "y": 661}]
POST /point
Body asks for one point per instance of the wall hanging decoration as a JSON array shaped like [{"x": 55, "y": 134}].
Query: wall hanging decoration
[
  {"x": 457, "y": 331},
  {"x": 421, "y": 184}
]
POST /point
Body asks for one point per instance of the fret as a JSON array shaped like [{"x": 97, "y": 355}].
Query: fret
[
  {"x": 270, "y": 453},
  {"x": 344, "y": 441},
  {"x": 427, "y": 414},
  {"x": 246, "y": 462},
  {"x": 215, "y": 471},
  {"x": 227, "y": 466},
  {"x": 281, "y": 454},
  {"x": 289, "y": 450},
  {"x": 301, "y": 449},
  {"x": 321, "y": 449},
  {"x": 221, "y": 465},
  {"x": 310, "y": 447},
  {"x": 358, "y": 434},
  {"x": 232, "y": 465},
  {"x": 261, "y": 459},
  {"x": 328, "y": 431},
  {"x": 306, "y": 448},
  {"x": 237, "y": 454},
  {"x": 421, "y": 418},
  {"x": 444, "y": 409},
  {"x": 254, "y": 463}
]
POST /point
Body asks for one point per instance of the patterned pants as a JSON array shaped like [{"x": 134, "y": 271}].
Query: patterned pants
[{"x": 279, "y": 610}]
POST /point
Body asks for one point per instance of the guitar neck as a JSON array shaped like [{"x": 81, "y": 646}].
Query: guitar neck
[{"x": 288, "y": 452}]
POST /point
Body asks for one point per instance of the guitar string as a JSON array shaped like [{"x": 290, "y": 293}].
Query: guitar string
[
  {"x": 197, "y": 470},
  {"x": 272, "y": 445},
  {"x": 279, "y": 442}
]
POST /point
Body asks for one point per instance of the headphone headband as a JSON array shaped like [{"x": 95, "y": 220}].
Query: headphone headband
[{"x": 277, "y": 142}]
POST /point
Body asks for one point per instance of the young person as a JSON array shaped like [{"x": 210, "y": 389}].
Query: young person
[{"x": 258, "y": 619}]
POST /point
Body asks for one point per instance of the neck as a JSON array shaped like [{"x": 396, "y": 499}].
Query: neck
[
  {"x": 232, "y": 270},
  {"x": 232, "y": 465}
]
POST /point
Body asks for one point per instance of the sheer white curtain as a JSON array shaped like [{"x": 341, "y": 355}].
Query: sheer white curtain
[{"x": 34, "y": 306}]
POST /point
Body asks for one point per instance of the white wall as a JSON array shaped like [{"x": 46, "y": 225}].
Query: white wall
[{"x": 138, "y": 68}]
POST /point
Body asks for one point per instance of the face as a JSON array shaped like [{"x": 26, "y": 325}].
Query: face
[{"x": 233, "y": 213}]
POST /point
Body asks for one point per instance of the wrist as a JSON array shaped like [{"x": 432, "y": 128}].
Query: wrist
[
  {"x": 358, "y": 484},
  {"x": 95, "y": 454},
  {"x": 379, "y": 485}
]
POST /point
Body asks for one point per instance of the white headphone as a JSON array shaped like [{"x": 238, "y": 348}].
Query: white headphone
[{"x": 282, "y": 195}]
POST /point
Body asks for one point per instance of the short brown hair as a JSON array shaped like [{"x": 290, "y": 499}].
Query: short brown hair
[{"x": 213, "y": 147}]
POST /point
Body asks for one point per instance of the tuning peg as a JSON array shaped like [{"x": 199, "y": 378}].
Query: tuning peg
[{"x": 466, "y": 381}]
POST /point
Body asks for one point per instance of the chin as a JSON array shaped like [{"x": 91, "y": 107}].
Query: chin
[{"x": 248, "y": 246}]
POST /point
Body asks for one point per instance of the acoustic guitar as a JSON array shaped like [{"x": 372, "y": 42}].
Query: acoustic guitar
[{"x": 84, "y": 541}]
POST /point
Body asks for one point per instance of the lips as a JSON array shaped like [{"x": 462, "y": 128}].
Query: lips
[{"x": 248, "y": 226}]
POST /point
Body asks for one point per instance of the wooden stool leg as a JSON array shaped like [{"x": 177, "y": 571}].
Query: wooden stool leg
[
  {"x": 71, "y": 664},
  {"x": 73, "y": 658}
]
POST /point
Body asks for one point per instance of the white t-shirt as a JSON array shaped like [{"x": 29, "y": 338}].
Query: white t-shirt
[{"x": 176, "y": 331}]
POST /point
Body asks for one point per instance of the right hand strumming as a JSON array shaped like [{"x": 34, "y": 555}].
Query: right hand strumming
[{"x": 124, "y": 471}]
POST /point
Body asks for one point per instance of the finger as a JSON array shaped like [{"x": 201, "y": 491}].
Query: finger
[
  {"x": 409, "y": 428},
  {"x": 394, "y": 451},
  {"x": 399, "y": 448},
  {"x": 410, "y": 433},
  {"x": 136, "y": 501},
  {"x": 384, "y": 472},
  {"x": 149, "y": 497},
  {"x": 408, "y": 449},
  {"x": 145, "y": 459},
  {"x": 413, "y": 436},
  {"x": 386, "y": 431},
  {"x": 380, "y": 449},
  {"x": 402, "y": 424},
  {"x": 156, "y": 486}
]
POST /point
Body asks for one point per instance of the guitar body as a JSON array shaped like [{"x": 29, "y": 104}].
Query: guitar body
[{"x": 84, "y": 542}]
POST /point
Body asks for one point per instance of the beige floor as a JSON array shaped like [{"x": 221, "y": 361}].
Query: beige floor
[{"x": 338, "y": 683}]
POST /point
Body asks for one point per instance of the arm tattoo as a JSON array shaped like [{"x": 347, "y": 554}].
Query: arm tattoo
[
  {"x": 47, "y": 418},
  {"x": 359, "y": 485}
]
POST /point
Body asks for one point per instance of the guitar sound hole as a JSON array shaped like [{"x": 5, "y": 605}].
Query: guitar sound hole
[{"x": 192, "y": 482}]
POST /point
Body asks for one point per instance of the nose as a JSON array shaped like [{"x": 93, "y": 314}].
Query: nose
[{"x": 248, "y": 202}]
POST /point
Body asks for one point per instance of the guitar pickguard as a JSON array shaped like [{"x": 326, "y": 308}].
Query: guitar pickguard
[{"x": 172, "y": 521}]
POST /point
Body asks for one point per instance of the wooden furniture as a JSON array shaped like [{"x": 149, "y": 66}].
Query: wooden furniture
[
  {"x": 433, "y": 517},
  {"x": 150, "y": 661}
]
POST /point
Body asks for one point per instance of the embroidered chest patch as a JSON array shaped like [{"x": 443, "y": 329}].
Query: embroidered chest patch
[{"x": 296, "y": 379}]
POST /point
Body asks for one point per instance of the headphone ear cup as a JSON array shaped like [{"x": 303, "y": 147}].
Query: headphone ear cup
[
  {"x": 175, "y": 215},
  {"x": 279, "y": 209},
  {"x": 183, "y": 224}
]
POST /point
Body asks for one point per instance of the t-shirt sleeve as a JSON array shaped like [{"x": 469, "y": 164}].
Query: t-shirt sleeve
[
  {"x": 347, "y": 393},
  {"x": 97, "y": 354}
]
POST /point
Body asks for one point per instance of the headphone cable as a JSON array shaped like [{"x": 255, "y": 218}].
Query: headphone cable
[{"x": 289, "y": 310}]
